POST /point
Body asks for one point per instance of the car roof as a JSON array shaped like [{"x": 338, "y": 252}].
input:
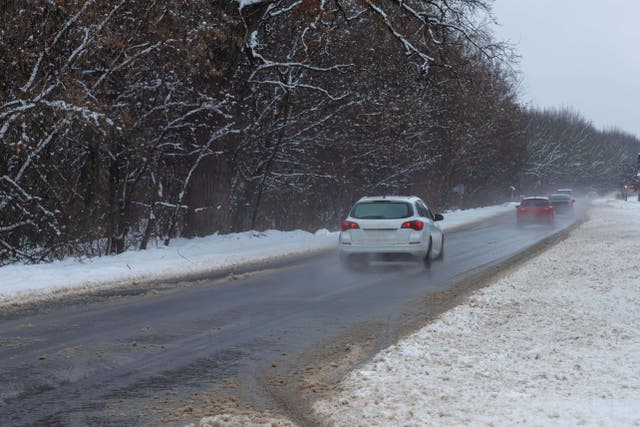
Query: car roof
[
  {"x": 564, "y": 189},
  {"x": 535, "y": 198},
  {"x": 389, "y": 198}
]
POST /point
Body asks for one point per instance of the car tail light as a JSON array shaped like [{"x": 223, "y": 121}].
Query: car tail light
[
  {"x": 414, "y": 225},
  {"x": 349, "y": 225}
]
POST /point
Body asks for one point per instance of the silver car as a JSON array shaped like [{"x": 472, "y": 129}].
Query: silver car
[{"x": 390, "y": 227}]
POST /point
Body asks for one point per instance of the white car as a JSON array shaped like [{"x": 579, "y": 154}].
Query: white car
[{"x": 391, "y": 226}]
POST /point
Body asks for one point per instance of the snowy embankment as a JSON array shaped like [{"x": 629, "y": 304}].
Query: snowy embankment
[
  {"x": 555, "y": 342},
  {"x": 184, "y": 257}
]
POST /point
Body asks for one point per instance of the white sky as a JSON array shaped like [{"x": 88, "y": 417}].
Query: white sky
[{"x": 583, "y": 54}]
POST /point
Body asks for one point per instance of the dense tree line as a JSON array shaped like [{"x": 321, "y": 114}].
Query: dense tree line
[
  {"x": 125, "y": 123},
  {"x": 563, "y": 148}
]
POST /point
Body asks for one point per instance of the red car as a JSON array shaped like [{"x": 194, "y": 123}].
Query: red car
[{"x": 535, "y": 210}]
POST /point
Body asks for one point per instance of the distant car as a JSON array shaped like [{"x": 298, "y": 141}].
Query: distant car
[
  {"x": 535, "y": 210},
  {"x": 590, "y": 192},
  {"x": 562, "y": 203},
  {"x": 568, "y": 191},
  {"x": 390, "y": 227}
]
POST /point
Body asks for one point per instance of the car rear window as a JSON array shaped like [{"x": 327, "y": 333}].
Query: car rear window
[
  {"x": 534, "y": 202},
  {"x": 560, "y": 198},
  {"x": 382, "y": 210}
]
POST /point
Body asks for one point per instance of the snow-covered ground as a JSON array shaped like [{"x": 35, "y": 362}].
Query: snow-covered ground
[
  {"x": 20, "y": 283},
  {"x": 555, "y": 342},
  {"x": 458, "y": 218}
]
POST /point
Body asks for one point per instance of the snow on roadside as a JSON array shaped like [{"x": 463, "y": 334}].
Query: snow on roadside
[
  {"x": 182, "y": 257},
  {"x": 555, "y": 342},
  {"x": 457, "y": 218},
  {"x": 20, "y": 282},
  {"x": 251, "y": 420}
]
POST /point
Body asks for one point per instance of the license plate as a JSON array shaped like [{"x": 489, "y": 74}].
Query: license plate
[{"x": 380, "y": 236}]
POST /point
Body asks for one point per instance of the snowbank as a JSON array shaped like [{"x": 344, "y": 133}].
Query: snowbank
[
  {"x": 183, "y": 257},
  {"x": 20, "y": 283},
  {"x": 458, "y": 218},
  {"x": 556, "y": 342}
]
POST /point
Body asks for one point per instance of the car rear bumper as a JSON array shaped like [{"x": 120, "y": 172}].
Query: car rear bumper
[
  {"x": 535, "y": 215},
  {"x": 535, "y": 219},
  {"x": 563, "y": 210},
  {"x": 414, "y": 249}
]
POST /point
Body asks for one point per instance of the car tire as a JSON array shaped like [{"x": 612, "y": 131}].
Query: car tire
[
  {"x": 441, "y": 254},
  {"x": 347, "y": 262},
  {"x": 427, "y": 258},
  {"x": 353, "y": 262}
]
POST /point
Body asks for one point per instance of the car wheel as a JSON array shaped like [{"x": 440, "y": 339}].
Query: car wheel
[
  {"x": 441, "y": 254},
  {"x": 347, "y": 262},
  {"x": 427, "y": 257},
  {"x": 353, "y": 262}
]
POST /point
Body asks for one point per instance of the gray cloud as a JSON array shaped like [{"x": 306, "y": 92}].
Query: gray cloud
[{"x": 583, "y": 54}]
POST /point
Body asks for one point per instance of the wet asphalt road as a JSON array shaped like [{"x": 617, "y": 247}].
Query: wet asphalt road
[{"x": 101, "y": 361}]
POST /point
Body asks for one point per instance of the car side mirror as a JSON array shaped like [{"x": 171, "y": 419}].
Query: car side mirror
[
  {"x": 438, "y": 217},
  {"x": 517, "y": 206}
]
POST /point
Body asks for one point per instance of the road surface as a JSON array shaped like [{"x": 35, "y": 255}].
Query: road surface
[{"x": 146, "y": 356}]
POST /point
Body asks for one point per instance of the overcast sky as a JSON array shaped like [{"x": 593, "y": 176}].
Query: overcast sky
[{"x": 583, "y": 54}]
